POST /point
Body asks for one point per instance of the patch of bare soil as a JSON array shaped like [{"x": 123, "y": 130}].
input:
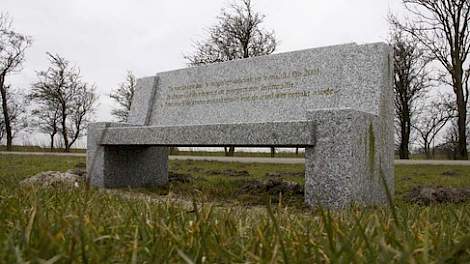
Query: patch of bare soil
[
  {"x": 450, "y": 173},
  {"x": 272, "y": 186},
  {"x": 180, "y": 177},
  {"x": 434, "y": 195},
  {"x": 284, "y": 174},
  {"x": 196, "y": 169},
  {"x": 80, "y": 171},
  {"x": 229, "y": 172}
]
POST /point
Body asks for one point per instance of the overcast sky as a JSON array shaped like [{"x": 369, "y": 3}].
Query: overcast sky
[{"x": 107, "y": 38}]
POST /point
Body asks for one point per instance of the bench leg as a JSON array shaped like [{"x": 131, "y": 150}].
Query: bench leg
[
  {"x": 349, "y": 161},
  {"x": 124, "y": 166}
]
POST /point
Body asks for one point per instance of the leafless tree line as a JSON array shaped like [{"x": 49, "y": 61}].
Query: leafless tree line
[
  {"x": 431, "y": 49},
  {"x": 62, "y": 103},
  {"x": 436, "y": 32},
  {"x": 12, "y": 55}
]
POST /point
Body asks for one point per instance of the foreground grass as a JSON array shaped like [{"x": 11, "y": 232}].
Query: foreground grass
[{"x": 92, "y": 226}]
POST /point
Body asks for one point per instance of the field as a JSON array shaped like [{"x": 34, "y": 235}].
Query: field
[
  {"x": 280, "y": 153},
  {"x": 194, "y": 152},
  {"x": 211, "y": 213}
]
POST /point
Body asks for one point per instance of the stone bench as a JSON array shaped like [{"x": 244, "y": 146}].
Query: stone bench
[{"x": 336, "y": 102}]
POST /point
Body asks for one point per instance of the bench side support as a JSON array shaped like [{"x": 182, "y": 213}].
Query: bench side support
[
  {"x": 349, "y": 161},
  {"x": 124, "y": 166}
]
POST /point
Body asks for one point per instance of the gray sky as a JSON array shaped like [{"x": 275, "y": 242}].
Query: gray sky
[{"x": 107, "y": 38}]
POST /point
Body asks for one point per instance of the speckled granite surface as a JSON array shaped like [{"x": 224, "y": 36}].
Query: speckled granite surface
[
  {"x": 287, "y": 134},
  {"x": 123, "y": 166},
  {"x": 339, "y": 98}
]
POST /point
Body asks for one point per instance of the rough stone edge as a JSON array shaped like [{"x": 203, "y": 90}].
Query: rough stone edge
[
  {"x": 345, "y": 165},
  {"x": 95, "y": 152},
  {"x": 295, "y": 133}
]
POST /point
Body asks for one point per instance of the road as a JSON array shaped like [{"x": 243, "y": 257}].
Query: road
[{"x": 250, "y": 159}]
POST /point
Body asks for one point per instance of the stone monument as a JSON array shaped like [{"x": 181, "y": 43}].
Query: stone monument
[{"x": 336, "y": 102}]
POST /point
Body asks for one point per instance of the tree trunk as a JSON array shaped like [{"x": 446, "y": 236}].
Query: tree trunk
[
  {"x": 273, "y": 152},
  {"x": 6, "y": 115},
  {"x": 52, "y": 143},
  {"x": 297, "y": 151},
  {"x": 231, "y": 151},
  {"x": 427, "y": 153},
  {"x": 64, "y": 128},
  {"x": 75, "y": 137},
  {"x": 462, "y": 115},
  {"x": 173, "y": 150},
  {"x": 405, "y": 138}
]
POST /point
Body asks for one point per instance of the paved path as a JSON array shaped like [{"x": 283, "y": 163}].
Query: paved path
[
  {"x": 43, "y": 154},
  {"x": 250, "y": 159}
]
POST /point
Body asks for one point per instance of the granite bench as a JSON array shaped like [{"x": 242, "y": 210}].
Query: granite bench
[{"x": 335, "y": 102}]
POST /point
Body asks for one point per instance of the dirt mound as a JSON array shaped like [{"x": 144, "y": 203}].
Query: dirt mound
[
  {"x": 284, "y": 174},
  {"x": 81, "y": 165},
  {"x": 433, "y": 195},
  {"x": 179, "y": 177},
  {"x": 80, "y": 171},
  {"x": 272, "y": 186},
  {"x": 450, "y": 173},
  {"x": 71, "y": 178},
  {"x": 229, "y": 172},
  {"x": 196, "y": 169}
]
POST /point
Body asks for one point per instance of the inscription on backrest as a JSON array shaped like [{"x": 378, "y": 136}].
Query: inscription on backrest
[{"x": 280, "y": 87}]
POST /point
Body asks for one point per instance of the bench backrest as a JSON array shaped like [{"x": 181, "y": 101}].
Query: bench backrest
[{"x": 273, "y": 88}]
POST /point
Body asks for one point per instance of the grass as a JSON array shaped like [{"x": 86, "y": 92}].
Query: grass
[
  {"x": 280, "y": 153},
  {"x": 40, "y": 149},
  {"x": 215, "y": 225}
]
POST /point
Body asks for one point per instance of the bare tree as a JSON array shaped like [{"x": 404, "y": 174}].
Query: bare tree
[
  {"x": 442, "y": 27},
  {"x": 273, "y": 152},
  {"x": 451, "y": 138},
  {"x": 16, "y": 112},
  {"x": 410, "y": 83},
  {"x": 123, "y": 97},
  {"x": 82, "y": 108},
  {"x": 12, "y": 55},
  {"x": 432, "y": 120},
  {"x": 62, "y": 88},
  {"x": 2, "y": 128},
  {"x": 238, "y": 34},
  {"x": 47, "y": 118}
]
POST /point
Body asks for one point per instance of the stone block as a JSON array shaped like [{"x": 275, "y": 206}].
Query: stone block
[
  {"x": 123, "y": 166},
  {"x": 335, "y": 101},
  {"x": 348, "y": 163}
]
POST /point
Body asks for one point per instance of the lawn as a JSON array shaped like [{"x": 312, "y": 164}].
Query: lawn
[
  {"x": 280, "y": 153},
  {"x": 208, "y": 215}
]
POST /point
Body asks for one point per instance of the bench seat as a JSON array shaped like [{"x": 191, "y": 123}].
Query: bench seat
[{"x": 279, "y": 134}]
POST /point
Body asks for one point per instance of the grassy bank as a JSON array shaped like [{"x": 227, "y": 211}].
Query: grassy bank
[{"x": 223, "y": 224}]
